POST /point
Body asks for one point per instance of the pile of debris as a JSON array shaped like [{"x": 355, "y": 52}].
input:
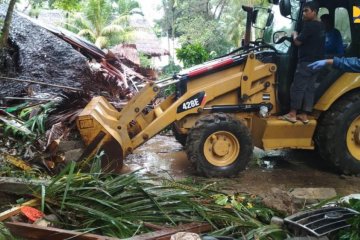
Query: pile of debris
[
  {"x": 47, "y": 78},
  {"x": 48, "y": 55}
]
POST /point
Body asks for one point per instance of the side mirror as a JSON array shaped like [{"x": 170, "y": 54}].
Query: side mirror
[
  {"x": 285, "y": 7},
  {"x": 280, "y": 36}
]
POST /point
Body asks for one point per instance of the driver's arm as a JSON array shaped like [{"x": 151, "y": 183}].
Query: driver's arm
[{"x": 304, "y": 35}]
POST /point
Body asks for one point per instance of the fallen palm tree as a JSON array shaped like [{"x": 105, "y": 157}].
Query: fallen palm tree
[{"x": 124, "y": 205}]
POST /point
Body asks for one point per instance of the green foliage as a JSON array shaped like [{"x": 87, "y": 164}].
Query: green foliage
[
  {"x": 118, "y": 205},
  {"x": 218, "y": 25},
  {"x": 196, "y": 21},
  {"x": 67, "y": 5},
  {"x": 235, "y": 21},
  {"x": 192, "y": 54},
  {"x": 128, "y": 7},
  {"x": 34, "y": 12},
  {"x": 208, "y": 32},
  {"x": 16, "y": 128},
  {"x": 354, "y": 232},
  {"x": 145, "y": 61},
  {"x": 103, "y": 24},
  {"x": 170, "y": 69},
  {"x": 28, "y": 127}
]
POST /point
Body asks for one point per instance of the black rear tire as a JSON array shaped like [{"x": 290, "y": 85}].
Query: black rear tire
[
  {"x": 239, "y": 146},
  {"x": 332, "y": 138}
]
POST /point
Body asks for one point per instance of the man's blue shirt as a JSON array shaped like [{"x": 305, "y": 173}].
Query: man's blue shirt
[
  {"x": 347, "y": 64},
  {"x": 333, "y": 43}
]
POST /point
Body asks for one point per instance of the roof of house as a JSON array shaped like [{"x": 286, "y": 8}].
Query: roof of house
[
  {"x": 127, "y": 51},
  {"x": 145, "y": 38}
]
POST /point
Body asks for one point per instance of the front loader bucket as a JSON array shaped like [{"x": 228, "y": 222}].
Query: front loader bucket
[
  {"x": 97, "y": 124},
  {"x": 102, "y": 127}
]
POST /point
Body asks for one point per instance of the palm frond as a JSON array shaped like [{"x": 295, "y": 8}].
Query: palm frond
[
  {"x": 112, "y": 29},
  {"x": 269, "y": 231},
  {"x": 87, "y": 32},
  {"x": 101, "y": 41},
  {"x": 119, "y": 203}
]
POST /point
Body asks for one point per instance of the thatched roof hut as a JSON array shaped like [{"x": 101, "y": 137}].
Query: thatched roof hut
[
  {"x": 128, "y": 52},
  {"x": 145, "y": 39}
]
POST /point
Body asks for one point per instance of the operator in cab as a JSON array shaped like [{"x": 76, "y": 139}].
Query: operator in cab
[
  {"x": 334, "y": 45},
  {"x": 311, "y": 47}
]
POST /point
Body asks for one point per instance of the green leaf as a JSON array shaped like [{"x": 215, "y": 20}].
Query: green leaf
[
  {"x": 221, "y": 199},
  {"x": 43, "y": 194},
  {"x": 68, "y": 182}
]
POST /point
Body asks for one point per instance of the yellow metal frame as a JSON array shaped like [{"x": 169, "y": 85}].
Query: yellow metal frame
[{"x": 346, "y": 83}]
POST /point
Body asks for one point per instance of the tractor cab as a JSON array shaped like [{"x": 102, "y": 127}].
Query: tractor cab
[{"x": 286, "y": 17}]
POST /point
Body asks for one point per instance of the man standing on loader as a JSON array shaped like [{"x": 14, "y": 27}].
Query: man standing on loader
[{"x": 311, "y": 44}]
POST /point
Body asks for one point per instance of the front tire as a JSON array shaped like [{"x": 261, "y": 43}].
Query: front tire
[
  {"x": 338, "y": 137},
  {"x": 219, "y": 146}
]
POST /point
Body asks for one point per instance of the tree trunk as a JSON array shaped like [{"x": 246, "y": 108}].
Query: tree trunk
[{"x": 7, "y": 22}]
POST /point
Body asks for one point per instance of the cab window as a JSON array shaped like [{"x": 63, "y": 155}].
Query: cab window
[
  {"x": 342, "y": 23},
  {"x": 323, "y": 11}
]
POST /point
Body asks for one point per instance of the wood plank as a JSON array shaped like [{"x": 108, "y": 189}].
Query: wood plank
[
  {"x": 20, "y": 186},
  {"x": 166, "y": 233},
  {"x": 15, "y": 210},
  {"x": 33, "y": 232}
]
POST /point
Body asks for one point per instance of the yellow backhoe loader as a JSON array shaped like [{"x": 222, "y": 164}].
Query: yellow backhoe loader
[{"x": 224, "y": 107}]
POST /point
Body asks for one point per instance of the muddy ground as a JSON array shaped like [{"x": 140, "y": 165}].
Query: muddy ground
[{"x": 270, "y": 173}]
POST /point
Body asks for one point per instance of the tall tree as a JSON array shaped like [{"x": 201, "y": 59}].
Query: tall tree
[
  {"x": 235, "y": 19},
  {"x": 100, "y": 23},
  {"x": 67, "y": 5},
  {"x": 7, "y": 22},
  {"x": 195, "y": 21},
  {"x": 105, "y": 22}
]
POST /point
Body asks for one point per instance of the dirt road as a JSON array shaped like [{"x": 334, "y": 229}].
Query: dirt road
[{"x": 283, "y": 170}]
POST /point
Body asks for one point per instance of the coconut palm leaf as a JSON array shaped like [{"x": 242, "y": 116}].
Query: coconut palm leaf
[
  {"x": 112, "y": 29},
  {"x": 69, "y": 179},
  {"x": 269, "y": 231},
  {"x": 121, "y": 20},
  {"x": 101, "y": 41},
  {"x": 87, "y": 32},
  {"x": 98, "y": 23},
  {"x": 119, "y": 203},
  {"x": 127, "y": 6}
]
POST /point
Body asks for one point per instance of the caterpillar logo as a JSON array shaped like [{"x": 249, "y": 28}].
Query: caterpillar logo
[{"x": 356, "y": 14}]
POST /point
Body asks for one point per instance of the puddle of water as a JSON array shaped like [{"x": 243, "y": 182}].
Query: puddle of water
[{"x": 160, "y": 155}]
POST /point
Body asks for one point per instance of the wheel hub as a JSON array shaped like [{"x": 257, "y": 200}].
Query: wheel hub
[
  {"x": 353, "y": 138},
  {"x": 221, "y": 148},
  {"x": 357, "y": 136}
]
